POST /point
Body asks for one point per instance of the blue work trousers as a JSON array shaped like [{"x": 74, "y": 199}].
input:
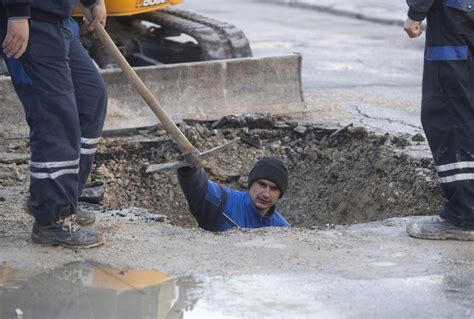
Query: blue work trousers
[
  {"x": 447, "y": 112},
  {"x": 65, "y": 100}
]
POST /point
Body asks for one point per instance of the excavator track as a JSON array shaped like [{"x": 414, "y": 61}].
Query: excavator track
[
  {"x": 235, "y": 38},
  {"x": 217, "y": 40}
]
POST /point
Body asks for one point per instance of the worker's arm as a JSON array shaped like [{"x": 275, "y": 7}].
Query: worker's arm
[
  {"x": 417, "y": 11},
  {"x": 99, "y": 12},
  {"x": 18, "y": 30},
  {"x": 205, "y": 198}
]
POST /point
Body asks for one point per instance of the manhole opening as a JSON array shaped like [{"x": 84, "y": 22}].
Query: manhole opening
[{"x": 337, "y": 176}]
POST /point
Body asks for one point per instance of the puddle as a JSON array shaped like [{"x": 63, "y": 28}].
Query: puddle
[{"x": 84, "y": 290}]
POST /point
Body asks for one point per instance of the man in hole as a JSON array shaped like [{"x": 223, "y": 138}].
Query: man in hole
[{"x": 219, "y": 208}]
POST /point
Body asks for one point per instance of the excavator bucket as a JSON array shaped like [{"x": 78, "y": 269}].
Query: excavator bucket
[{"x": 199, "y": 90}]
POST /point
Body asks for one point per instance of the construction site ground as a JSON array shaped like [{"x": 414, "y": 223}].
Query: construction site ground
[{"x": 353, "y": 188}]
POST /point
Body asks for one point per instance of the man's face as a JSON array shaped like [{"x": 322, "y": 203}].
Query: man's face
[{"x": 264, "y": 195}]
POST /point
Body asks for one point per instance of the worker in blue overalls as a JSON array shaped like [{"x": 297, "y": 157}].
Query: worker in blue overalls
[
  {"x": 447, "y": 112},
  {"x": 64, "y": 99}
]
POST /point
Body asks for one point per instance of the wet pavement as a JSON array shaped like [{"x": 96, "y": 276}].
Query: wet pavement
[
  {"x": 363, "y": 271},
  {"x": 86, "y": 290}
]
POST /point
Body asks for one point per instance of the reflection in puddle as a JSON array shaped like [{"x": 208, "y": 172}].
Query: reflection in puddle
[{"x": 83, "y": 290}]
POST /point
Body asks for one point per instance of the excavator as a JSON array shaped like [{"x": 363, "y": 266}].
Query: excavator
[
  {"x": 197, "y": 67},
  {"x": 149, "y": 32}
]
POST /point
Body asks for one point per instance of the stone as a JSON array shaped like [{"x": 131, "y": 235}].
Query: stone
[
  {"x": 252, "y": 140},
  {"x": 300, "y": 129},
  {"x": 94, "y": 195},
  {"x": 418, "y": 138},
  {"x": 275, "y": 146}
]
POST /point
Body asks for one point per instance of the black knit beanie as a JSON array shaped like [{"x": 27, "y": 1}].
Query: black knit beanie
[{"x": 270, "y": 168}]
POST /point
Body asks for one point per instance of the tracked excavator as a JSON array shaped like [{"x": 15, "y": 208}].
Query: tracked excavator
[
  {"x": 153, "y": 32},
  {"x": 197, "y": 67}
]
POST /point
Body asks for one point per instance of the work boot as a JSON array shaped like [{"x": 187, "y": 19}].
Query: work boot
[
  {"x": 83, "y": 217},
  {"x": 438, "y": 228},
  {"x": 66, "y": 232}
]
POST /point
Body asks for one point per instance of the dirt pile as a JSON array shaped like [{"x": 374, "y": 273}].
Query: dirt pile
[{"x": 337, "y": 176}]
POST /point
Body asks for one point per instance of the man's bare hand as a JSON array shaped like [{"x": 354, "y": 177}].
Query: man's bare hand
[
  {"x": 412, "y": 28},
  {"x": 16, "y": 40},
  {"x": 99, "y": 13}
]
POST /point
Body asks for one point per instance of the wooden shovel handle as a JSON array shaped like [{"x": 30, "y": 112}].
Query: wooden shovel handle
[{"x": 185, "y": 146}]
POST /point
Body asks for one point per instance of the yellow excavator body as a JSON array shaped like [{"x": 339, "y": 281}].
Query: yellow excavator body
[{"x": 118, "y": 8}]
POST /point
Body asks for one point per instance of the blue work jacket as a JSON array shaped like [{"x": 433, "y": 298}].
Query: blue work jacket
[{"x": 219, "y": 208}]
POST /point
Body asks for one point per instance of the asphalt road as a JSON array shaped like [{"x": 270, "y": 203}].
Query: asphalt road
[{"x": 353, "y": 70}]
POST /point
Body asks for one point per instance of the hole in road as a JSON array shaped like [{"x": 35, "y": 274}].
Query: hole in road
[{"x": 337, "y": 176}]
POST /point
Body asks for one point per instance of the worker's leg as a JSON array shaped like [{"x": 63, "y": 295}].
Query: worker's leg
[
  {"x": 91, "y": 100},
  {"x": 448, "y": 120},
  {"x": 43, "y": 82},
  {"x": 447, "y": 116}
]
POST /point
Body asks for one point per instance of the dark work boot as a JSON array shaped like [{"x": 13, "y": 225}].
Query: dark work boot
[
  {"x": 437, "y": 228},
  {"x": 66, "y": 232},
  {"x": 84, "y": 217}
]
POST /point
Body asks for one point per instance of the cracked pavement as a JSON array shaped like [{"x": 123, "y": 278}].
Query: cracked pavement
[{"x": 347, "y": 61}]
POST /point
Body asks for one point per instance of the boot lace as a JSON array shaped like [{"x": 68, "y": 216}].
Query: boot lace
[{"x": 70, "y": 224}]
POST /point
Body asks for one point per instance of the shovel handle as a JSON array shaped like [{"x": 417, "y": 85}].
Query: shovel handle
[{"x": 185, "y": 146}]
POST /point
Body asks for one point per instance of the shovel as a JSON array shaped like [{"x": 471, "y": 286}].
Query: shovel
[{"x": 190, "y": 155}]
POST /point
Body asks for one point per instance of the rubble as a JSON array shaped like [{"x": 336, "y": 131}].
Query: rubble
[
  {"x": 93, "y": 193},
  {"x": 337, "y": 175},
  {"x": 340, "y": 175}
]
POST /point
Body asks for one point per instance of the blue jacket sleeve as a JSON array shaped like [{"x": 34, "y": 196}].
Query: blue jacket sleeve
[
  {"x": 17, "y": 8},
  {"x": 206, "y": 199},
  {"x": 419, "y": 8}
]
